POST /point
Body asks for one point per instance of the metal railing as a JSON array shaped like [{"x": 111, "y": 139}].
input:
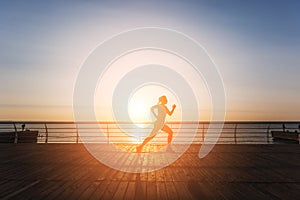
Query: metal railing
[{"x": 124, "y": 132}]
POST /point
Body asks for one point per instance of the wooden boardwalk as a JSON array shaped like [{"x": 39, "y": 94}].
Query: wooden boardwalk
[{"x": 68, "y": 171}]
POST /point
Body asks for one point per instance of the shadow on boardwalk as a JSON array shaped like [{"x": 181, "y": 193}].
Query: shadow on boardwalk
[{"x": 68, "y": 171}]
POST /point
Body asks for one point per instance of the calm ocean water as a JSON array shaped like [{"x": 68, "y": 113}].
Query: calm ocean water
[{"x": 232, "y": 132}]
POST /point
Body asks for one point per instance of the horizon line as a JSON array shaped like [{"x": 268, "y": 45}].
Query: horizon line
[{"x": 128, "y": 122}]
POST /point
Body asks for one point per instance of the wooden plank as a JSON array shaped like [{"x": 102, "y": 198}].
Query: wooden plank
[
  {"x": 121, "y": 190},
  {"x": 151, "y": 176},
  {"x": 151, "y": 191},
  {"x": 184, "y": 192},
  {"x": 279, "y": 190},
  {"x": 100, "y": 190},
  {"x": 228, "y": 172},
  {"x": 171, "y": 190},
  {"x": 89, "y": 190},
  {"x": 11, "y": 186},
  {"x": 161, "y": 190},
  {"x": 110, "y": 190},
  {"x": 16, "y": 192},
  {"x": 131, "y": 190},
  {"x": 50, "y": 190},
  {"x": 140, "y": 190},
  {"x": 43, "y": 190},
  {"x": 79, "y": 186}
]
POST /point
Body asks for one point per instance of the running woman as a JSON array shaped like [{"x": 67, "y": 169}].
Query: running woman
[{"x": 159, "y": 123}]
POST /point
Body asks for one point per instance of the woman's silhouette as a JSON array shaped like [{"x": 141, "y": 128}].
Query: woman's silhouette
[{"x": 159, "y": 123}]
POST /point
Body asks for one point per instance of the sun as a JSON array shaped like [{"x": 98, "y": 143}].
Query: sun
[
  {"x": 139, "y": 109},
  {"x": 143, "y": 98}
]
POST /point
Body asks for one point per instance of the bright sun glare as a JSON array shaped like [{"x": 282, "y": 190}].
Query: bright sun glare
[
  {"x": 144, "y": 98},
  {"x": 138, "y": 110}
]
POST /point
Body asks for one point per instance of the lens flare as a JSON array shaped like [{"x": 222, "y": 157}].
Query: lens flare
[{"x": 120, "y": 89}]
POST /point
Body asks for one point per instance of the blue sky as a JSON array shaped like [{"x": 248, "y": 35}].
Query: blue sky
[{"x": 255, "y": 44}]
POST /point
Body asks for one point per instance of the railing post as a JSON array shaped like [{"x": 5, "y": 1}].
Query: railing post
[
  {"x": 235, "y": 129},
  {"x": 46, "y": 129},
  {"x": 77, "y": 135},
  {"x": 268, "y": 134},
  {"x": 283, "y": 127},
  {"x": 16, "y": 134},
  {"x": 299, "y": 134},
  {"x": 202, "y": 132},
  {"x": 107, "y": 132}
]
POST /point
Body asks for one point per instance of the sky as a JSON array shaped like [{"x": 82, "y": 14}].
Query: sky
[{"x": 255, "y": 45}]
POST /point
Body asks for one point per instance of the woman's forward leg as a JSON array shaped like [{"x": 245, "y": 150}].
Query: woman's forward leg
[{"x": 168, "y": 130}]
